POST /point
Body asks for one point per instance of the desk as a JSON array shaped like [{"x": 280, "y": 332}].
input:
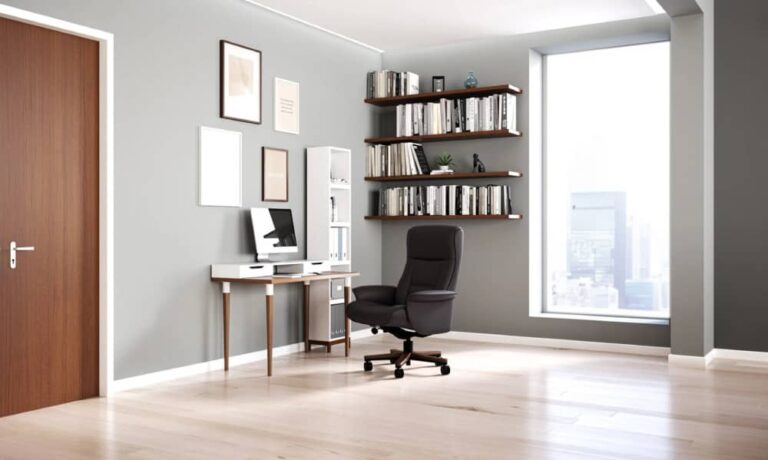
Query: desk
[{"x": 269, "y": 283}]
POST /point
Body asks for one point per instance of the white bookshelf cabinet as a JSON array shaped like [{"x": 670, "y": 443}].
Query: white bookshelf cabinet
[{"x": 329, "y": 176}]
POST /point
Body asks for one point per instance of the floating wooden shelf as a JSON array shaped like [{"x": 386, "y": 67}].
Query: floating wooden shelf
[
  {"x": 483, "y": 217},
  {"x": 468, "y": 175},
  {"x": 450, "y": 94},
  {"x": 444, "y": 137}
]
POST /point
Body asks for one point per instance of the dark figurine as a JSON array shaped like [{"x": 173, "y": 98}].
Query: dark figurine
[{"x": 477, "y": 165}]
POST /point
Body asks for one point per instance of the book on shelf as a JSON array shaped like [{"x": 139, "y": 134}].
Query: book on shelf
[
  {"x": 338, "y": 244},
  {"x": 386, "y": 83},
  {"x": 443, "y": 200},
  {"x": 403, "y": 159},
  {"x": 472, "y": 114}
]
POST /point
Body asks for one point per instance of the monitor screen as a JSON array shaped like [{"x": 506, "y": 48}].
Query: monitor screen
[{"x": 273, "y": 231}]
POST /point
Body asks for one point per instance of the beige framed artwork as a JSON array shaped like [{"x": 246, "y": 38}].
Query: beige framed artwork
[
  {"x": 274, "y": 174},
  {"x": 240, "y": 83},
  {"x": 286, "y": 106}
]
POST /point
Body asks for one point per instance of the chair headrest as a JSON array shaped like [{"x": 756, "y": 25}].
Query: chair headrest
[{"x": 435, "y": 242}]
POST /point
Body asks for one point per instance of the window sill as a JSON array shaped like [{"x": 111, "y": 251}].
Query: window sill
[{"x": 607, "y": 319}]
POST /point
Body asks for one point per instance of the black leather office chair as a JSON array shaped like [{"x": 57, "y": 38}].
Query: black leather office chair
[{"x": 422, "y": 302}]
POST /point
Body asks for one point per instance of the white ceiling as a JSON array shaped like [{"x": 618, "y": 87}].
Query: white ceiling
[{"x": 396, "y": 24}]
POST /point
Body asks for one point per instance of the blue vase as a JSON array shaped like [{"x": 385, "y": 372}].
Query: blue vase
[{"x": 471, "y": 81}]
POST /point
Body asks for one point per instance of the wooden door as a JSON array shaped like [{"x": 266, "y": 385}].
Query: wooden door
[{"x": 49, "y": 199}]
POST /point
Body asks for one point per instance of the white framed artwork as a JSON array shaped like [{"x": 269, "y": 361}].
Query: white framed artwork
[
  {"x": 221, "y": 161},
  {"x": 286, "y": 106}
]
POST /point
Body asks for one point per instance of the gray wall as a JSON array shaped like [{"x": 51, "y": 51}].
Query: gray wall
[
  {"x": 494, "y": 284},
  {"x": 741, "y": 162},
  {"x": 167, "y": 312}
]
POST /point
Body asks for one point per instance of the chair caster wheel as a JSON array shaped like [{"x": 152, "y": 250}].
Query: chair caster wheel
[
  {"x": 445, "y": 369},
  {"x": 374, "y": 330},
  {"x": 408, "y": 363},
  {"x": 399, "y": 373},
  {"x": 368, "y": 366}
]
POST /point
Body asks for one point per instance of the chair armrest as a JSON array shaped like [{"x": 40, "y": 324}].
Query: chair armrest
[
  {"x": 430, "y": 312},
  {"x": 379, "y": 294},
  {"x": 431, "y": 296}
]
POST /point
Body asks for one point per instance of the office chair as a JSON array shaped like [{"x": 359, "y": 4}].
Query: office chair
[{"x": 422, "y": 302}]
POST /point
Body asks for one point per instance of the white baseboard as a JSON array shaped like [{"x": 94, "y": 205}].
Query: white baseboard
[
  {"x": 167, "y": 375},
  {"x": 697, "y": 362},
  {"x": 694, "y": 362},
  {"x": 739, "y": 355},
  {"x": 558, "y": 343}
]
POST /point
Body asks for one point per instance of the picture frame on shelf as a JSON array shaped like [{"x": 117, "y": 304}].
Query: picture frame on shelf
[
  {"x": 240, "y": 71},
  {"x": 438, "y": 84},
  {"x": 274, "y": 174}
]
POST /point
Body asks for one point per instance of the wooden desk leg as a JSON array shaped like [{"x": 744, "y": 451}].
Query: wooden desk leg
[
  {"x": 269, "y": 291},
  {"x": 225, "y": 289},
  {"x": 306, "y": 316},
  {"x": 347, "y": 323}
]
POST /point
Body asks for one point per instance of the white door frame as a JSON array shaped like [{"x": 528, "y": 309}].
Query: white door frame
[{"x": 106, "y": 179}]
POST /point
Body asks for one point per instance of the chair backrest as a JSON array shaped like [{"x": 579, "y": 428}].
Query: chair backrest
[{"x": 434, "y": 258}]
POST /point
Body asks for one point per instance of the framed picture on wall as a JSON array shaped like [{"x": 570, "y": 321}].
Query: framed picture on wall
[
  {"x": 240, "y": 83},
  {"x": 274, "y": 174},
  {"x": 220, "y": 167},
  {"x": 286, "y": 106}
]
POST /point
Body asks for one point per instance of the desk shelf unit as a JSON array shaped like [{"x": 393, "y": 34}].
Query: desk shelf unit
[
  {"x": 436, "y": 97},
  {"x": 329, "y": 175}
]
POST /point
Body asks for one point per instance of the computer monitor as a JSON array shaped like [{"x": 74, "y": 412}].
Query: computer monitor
[{"x": 273, "y": 231}]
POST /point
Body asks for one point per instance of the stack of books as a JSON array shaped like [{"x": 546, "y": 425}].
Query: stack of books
[
  {"x": 404, "y": 159},
  {"x": 496, "y": 112},
  {"x": 386, "y": 83},
  {"x": 444, "y": 200}
]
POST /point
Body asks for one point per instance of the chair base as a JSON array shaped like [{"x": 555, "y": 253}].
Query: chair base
[{"x": 405, "y": 356}]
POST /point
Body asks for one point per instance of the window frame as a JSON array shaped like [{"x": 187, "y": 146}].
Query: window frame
[{"x": 542, "y": 309}]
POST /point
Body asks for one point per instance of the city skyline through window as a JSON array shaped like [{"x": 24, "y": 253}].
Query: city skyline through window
[{"x": 606, "y": 191}]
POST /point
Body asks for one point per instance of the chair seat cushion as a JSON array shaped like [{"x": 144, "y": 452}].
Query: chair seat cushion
[{"x": 377, "y": 314}]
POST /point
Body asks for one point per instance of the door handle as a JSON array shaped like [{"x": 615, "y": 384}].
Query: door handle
[{"x": 14, "y": 249}]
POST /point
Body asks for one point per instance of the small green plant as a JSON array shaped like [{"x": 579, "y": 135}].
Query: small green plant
[{"x": 445, "y": 160}]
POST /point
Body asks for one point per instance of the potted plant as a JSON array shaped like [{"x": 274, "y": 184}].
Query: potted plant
[{"x": 445, "y": 162}]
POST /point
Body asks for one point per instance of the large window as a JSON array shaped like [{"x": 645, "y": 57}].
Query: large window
[{"x": 606, "y": 182}]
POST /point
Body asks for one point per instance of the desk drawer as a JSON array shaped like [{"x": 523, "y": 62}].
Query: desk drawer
[{"x": 241, "y": 270}]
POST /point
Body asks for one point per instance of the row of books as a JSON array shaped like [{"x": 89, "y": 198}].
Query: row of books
[
  {"x": 495, "y": 112},
  {"x": 443, "y": 200},
  {"x": 339, "y": 244},
  {"x": 385, "y": 83},
  {"x": 403, "y": 159}
]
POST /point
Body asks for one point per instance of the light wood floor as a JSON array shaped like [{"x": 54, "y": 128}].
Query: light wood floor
[{"x": 501, "y": 401}]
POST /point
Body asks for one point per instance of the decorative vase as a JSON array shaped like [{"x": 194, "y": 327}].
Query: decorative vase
[
  {"x": 471, "y": 81},
  {"x": 444, "y": 167}
]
